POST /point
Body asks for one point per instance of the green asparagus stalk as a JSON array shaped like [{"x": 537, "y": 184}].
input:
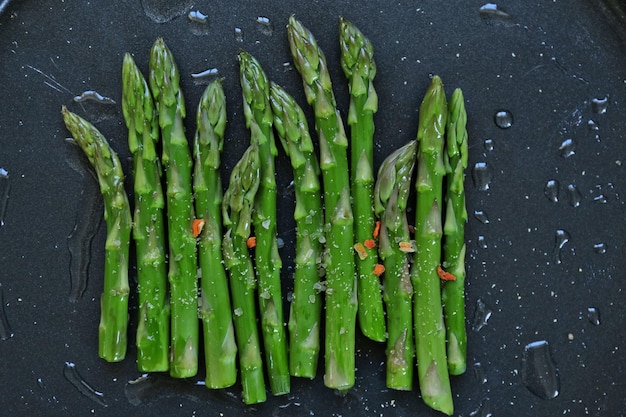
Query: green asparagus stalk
[
  {"x": 359, "y": 67},
  {"x": 430, "y": 337},
  {"x": 220, "y": 349},
  {"x": 237, "y": 211},
  {"x": 176, "y": 158},
  {"x": 305, "y": 313},
  {"x": 153, "y": 330},
  {"x": 341, "y": 297},
  {"x": 390, "y": 198},
  {"x": 259, "y": 119},
  {"x": 453, "y": 295},
  {"x": 112, "y": 335}
]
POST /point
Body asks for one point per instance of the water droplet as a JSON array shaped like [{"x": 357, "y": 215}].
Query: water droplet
[
  {"x": 593, "y": 125},
  {"x": 567, "y": 148},
  {"x": 599, "y": 248},
  {"x": 503, "y": 119},
  {"x": 479, "y": 373},
  {"x": 482, "y": 242},
  {"x": 71, "y": 374},
  {"x": 198, "y": 16},
  {"x": 551, "y": 190},
  {"x": 482, "y": 175},
  {"x": 574, "y": 195},
  {"x": 599, "y": 105},
  {"x": 5, "y": 328},
  {"x": 483, "y": 410},
  {"x": 205, "y": 77},
  {"x": 239, "y": 34},
  {"x": 560, "y": 240},
  {"x": 600, "y": 198},
  {"x": 238, "y": 312},
  {"x": 93, "y": 96},
  {"x": 265, "y": 25},
  {"x": 481, "y": 216},
  {"x": 490, "y": 13},
  {"x": 488, "y": 144},
  {"x": 160, "y": 11},
  {"x": 593, "y": 315},
  {"x": 286, "y": 66},
  {"x": 88, "y": 218},
  {"x": 482, "y": 314},
  {"x": 5, "y": 187},
  {"x": 539, "y": 372},
  {"x": 198, "y": 22},
  {"x": 280, "y": 242}
]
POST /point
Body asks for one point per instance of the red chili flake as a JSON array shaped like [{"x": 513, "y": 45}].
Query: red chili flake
[
  {"x": 360, "y": 250},
  {"x": 444, "y": 275},
  {"x": 376, "y": 230},
  {"x": 197, "y": 226},
  {"x": 369, "y": 243},
  {"x": 378, "y": 270},
  {"x": 407, "y": 247},
  {"x": 251, "y": 242}
]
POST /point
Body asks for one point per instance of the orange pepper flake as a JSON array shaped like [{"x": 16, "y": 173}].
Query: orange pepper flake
[
  {"x": 407, "y": 247},
  {"x": 444, "y": 275},
  {"x": 376, "y": 230},
  {"x": 360, "y": 250},
  {"x": 197, "y": 226},
  {"x": 369, "y": 243},
  {"x": 378, "y": 270},
  {"x": 251, "y": 242}
]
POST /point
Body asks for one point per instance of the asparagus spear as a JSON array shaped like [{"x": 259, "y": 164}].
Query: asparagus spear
[
  {"x": 112, "y": 341},
  {"x": 153, "y": 337},
  {"x": 237, "y": 211},
  {"x": 390, "y": 198},
  {"x": 259, "y": 119},
  {"x": 430, "y": 337},
  {"x": 220, "y": 349},
  {"x": 341, "y": 301},
  {"x": 305, "y": 313},
  {"x": 359, "y": 67},
  {"x": 176, "y": 158},
  {"x": 453, "y": 296}
]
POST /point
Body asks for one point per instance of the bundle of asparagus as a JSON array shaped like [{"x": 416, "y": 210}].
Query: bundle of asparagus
[{"x": 335, "y": 219}]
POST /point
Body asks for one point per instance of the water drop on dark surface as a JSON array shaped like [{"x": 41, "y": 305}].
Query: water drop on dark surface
[
  {"x": 5, "y": 329},
  {"x": 482, "y": 242},
  {"x": 161, "y": 11},
  {"x": 205, "y": 77},
  {"x": 88, "y": 219},
  {"x": 503, "y": 119},
  {"x": 198, "y": 22},
  {"x": 490, "y": 13},
  {"x": 482, "y": 314},
  {"x": 567, "y": 148},
  {"x": 265, "y": 25},
  {"x": 539, "y": 373},
  {"x": 239, "y": 34},
  {"x": 481, "y": 216},
  {"x": 5, "y": 188},
  {"x": 560, "y": 240},
  {"x": 482, "y": 175},
  {"x": 600, "y": 105},
  {"x": 593, "y": 315},
  {"x": 599, "y": 248},
  {"x": 71, "y": 374},
  {"x": 574, "y": 195},
  {"x": 488, "y": 144},
  {"x": 93, "y": 96},
  {"x": 551, "y": 190}
]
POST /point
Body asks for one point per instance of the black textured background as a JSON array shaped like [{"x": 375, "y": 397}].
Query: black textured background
[{"x": 545, "y": 63}]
